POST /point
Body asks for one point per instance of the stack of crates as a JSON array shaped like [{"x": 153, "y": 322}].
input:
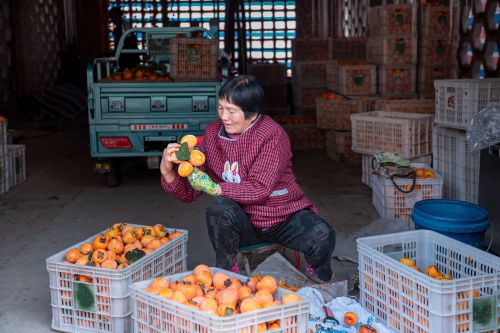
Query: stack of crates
[
  {"x": 272, "y": 77},
  {"x": 436, "y": 47},
  {"x": 16, "y": 156},
  {"x": 310, "y": 58},
  {"x": 457, "y": 101},
  {"x": 4, "y": 162},
  {"x": 392, "y": 45}
]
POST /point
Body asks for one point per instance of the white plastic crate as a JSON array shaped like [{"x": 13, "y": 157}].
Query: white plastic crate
[
  {"x": 457, "y": 101},
  {"x": 410, "y": 301},
  {"x": 107, "y": 307},
  {"x": 3, "y": 136},
  {"x": 408, "y": 134},
  {"x": 351, "y": 79},
  {"x": 392, "y": 204},
  {"x": 4, "y": 174},
  {"x": 17, "y": 159},
  {"x": 153, "y": 313},
  {"x": 458, "y": 165}
]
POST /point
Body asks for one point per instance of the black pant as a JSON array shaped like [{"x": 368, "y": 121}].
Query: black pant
[{"x": 229, "y": 228}]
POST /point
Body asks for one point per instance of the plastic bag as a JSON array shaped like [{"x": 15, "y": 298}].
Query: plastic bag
[{"x": 484, "y": 128}]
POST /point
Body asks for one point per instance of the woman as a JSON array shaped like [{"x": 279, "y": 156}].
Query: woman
[{"x": 248, "y": 169}]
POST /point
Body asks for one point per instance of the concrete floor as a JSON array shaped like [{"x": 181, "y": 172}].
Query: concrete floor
[{"x": 63, "y": 202}]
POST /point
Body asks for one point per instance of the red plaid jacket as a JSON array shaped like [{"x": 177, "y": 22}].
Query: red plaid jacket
[{"x": 255, "y": 170}]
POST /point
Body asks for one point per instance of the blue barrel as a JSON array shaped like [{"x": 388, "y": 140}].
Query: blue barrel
[{"x": 460, "y": 220}]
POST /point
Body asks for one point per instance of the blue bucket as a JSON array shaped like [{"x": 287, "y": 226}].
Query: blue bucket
[{"x": 460, "y": 220}]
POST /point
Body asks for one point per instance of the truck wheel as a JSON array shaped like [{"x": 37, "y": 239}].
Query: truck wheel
[{"x": 113, "y": 178}]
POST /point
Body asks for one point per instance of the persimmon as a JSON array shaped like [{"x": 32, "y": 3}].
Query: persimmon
[
  {"x": 147, "y": 250},
  {"x": 174, "y": 157},
  {"x": 350, "y": 318},
  {"x": 196, "y": 158},
  {"x": 160, "y": 230},
  {"x": 419, "y": 172},
  {"x": 263, "y": 296},
  {"x": 83, "y": 278},
  {"x": 99, "y": 256},
  {"x": 116, "y": 246},
  {"x": 86, "y": 248},
  {"x": 235, "y": 283},
  {"x": 127, "y": 74},
  {"x": 261, "y": 327},
  {"x": 209, "y": 305},
  {"x": 267, "y": 282},
  {"x": 160, "y": 282},
  {"x": 139, "y": 74},
  {"x": 366, "y": 329},
  {"x": 252, "y": 282},
  {"x": 429, "y": 174},
  {"x": 249, "y": 304},
  {"x": 146, "y": 239},
  {"x": 149, "y": 230},
  {"x": 185, "y": 169},
  {"x": 189, "y": 290},
  {"x": 198, "y": 300},
  {"x": 205, "y": 278},
  {"x": 211, "y": 293},
  {"x": 138, "y": 233},
  {"x": 122, "y": 266},
  {"x": 119, "y": 226},
  {"x": 433, "y": 271},
  {"x": 72, "y": 255},
  {"x": 266, "y": 305},
  {"x": 111, "y": 255},
  {"x": 274, "y": 326},
  {"x": 153, "y": 290},
  {"x": 290, "y": 298},
  {"x": 112, "y": 232},
  {"x": 83, "y": 260},
  {"x": 228, "y": 296},
  {"x": 154, "y": 244},
  {"x": 128, "y": 237},
  {"x": 126, "y": 228},
  {"x": 200, "y": 268},
  {"x": 174, "y": 235},
  {"x": 179, "y": 297},
  {"x": 219, "y": 280},
  {"x": 244, "y": 292},
  {"x": 189, "y": 279},
  {"x": 190, "y": 139},
  {"x": 131, "y": 246},
  {"x": 100, "y": 242},
  {"x": 226, "y": 310},
  {"x": 167, "y": 293},
  {"x": 407, "y": 261},
  {"x": 109, "y": 263},
  {"x": 164, "y": 240}
]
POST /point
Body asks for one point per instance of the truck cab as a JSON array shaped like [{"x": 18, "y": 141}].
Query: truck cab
[{"x": 136, "y": 112}]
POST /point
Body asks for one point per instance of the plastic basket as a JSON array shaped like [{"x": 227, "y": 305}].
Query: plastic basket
[
  {"x": 425, "y": 106},
  {"x": 336, "y": 113},
  {"x": 309, "y": 74},
  {"x": 397, "y": 81},
  {"x": 305, "y": 97},
  {"x": 194, "y": 59},
  {"x": 428, "y": 74},
  {"x": 4, "y": 174},
  {"x": 107, "y": 307},
  {"x": 408, "y": 134},
  {"x": 393, "y": 49},
  {"x": 391, "y": 19},
  {"x": 17, "y": 158},
  {"x": 458, "y": 100},
  {"x": 351, "y": 79},
  {"x": 435, "y": 21},
  {"x": 153, "y": 313},
  {"x": 393, "y": 204},
  {"x": 410, "y": 301},
  {"x": 436, "y": 50},
  {"x": 338, "y": 146},
  {"x": 458, "y": 165}
]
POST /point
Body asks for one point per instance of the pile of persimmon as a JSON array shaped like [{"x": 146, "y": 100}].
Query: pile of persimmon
[
  {"x": 187, "y": 156},
  {"x": 423, "y": 173},
  {"x": 120, "y": 246},
  {"x": 330, "y": 95},
  {"x": 221, "y": 295},
  {"x": 140, "y": 74}
]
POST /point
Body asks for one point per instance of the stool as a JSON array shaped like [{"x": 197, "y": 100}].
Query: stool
[{"x": 260, "y": 248}]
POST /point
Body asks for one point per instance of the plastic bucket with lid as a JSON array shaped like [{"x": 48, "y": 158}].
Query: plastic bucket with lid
[{"x": 460, "y": 220}]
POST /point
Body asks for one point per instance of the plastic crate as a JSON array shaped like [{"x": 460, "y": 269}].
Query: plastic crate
[
  {"x": 336, "y": 113},
  {"x": 338, "y": 146},
  {"x": 4, "y": 174},
  {"x": 109, "y": 307},
  {"x": 425, "y": 106},
  {"x": 194, "y": 59},
  {"x": 410, "y": 301},
  {"x": 351, "y": 79},
  {"x": 436, "y": 50},
  {"x": 17, "y": 159},
  {"x": 408, "y": 134},
  {"x": 309, "y": 74},
  {"x": 393, "y": 49},
  {"x": 428, "y": 74},
  {"x": 397, "y": 81},
  {"x": 457, "y": 101},
  {"x": 391, "y": 19},
  {"x": 153, "y": 313},
  {"x": 3, "y": 136},
  {"x": 349, "y": 49},
  {"x": 312, "y": 49},
  {"x": 305, "y": 97},
  {"x": 435, "y": 21},
  {"x": 392, "y": 204},
  {"x": 268, "y": 73},
  {"x": 458, "y": 165}
]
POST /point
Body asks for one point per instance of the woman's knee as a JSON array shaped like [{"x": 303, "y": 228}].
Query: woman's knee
[
  {"x": 219, "y": 206},
  {"x": 322, "y": 236}
]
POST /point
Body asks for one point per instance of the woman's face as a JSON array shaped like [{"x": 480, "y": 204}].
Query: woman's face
[{"x": 233, "y": 117}]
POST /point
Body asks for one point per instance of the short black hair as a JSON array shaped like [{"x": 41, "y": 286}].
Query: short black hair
[{"x": 245, "y": 92}]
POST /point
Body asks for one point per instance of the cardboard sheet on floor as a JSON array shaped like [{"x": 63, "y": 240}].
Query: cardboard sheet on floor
[{"x": 345, "y": 244}]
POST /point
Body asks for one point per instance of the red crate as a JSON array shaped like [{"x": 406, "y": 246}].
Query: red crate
[
  {"x": 397, "y": 81},
  {"x": 436, "y": 51},
  {"x": 393, "y": 49},
  {"x": 391, "y": 19},
  {"x": 311, "y": 74},
  {"x": 436, "y": 21},
  {"x": 194, "y": 59},
  {"x": 305, "y": 97},
  {"x": 312, "y": 49},
  {"x": 351, "y": 79}
]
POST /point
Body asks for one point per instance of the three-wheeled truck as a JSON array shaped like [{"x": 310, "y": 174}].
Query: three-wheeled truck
[{"x": 132, "y": 115}]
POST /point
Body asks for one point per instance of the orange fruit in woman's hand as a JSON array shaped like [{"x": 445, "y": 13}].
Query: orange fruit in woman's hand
[
  {"x": 196, "y": 158},
  {"x": 190, "y": 139},
  {"x": 174, "y": 156},
  {"x": 185, "y": 169}
]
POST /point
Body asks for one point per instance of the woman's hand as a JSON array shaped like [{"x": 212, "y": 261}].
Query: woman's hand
[{"x": 167, "y": 162}]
